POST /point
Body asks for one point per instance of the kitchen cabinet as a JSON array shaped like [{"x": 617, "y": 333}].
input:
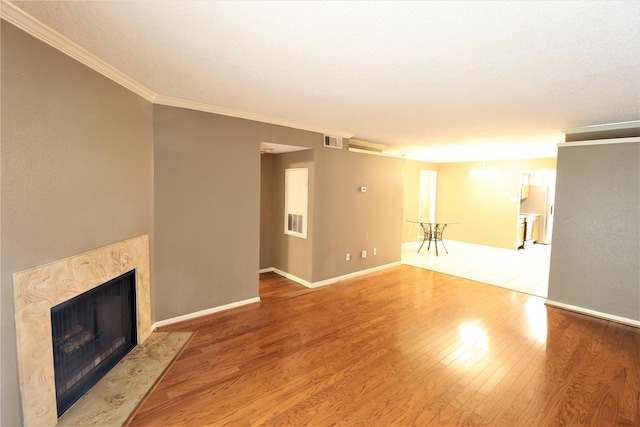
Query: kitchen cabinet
[{"x": 528, "y": 230}]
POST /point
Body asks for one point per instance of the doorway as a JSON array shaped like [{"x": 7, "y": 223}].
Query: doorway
[{"x": 427, "y": 195}]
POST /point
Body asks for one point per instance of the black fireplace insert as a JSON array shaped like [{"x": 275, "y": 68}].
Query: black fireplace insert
[{"x": 91, "y": 333}]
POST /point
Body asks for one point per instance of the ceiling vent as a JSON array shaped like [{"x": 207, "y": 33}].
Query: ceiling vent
[{"x": 333, "y": 141}]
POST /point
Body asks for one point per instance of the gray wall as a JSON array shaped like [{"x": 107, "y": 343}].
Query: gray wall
[
  {"x": 349, "y": 221},
  {"x": 341, "y": 219},
  {"x": 76, "y": 171},
  {"x": 595, "y": 256},
  {"x": 207, "y": 210},
  {"x": 267, "y": 193},
  {"x": 290, "y": 253}
]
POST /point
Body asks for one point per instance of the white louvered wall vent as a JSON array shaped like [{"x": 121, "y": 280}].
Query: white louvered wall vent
[
  {"x": 294, "y": 223},
  {"x": 333, "y": 141}
]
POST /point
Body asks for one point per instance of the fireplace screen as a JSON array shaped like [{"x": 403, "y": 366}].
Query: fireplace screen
[{"x": 91, "y": 333}]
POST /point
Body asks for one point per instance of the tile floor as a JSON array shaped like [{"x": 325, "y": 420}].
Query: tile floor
[{"x": 522, "y": 270}]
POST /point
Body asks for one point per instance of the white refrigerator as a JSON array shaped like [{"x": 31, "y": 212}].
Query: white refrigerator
[{"x": 540, "y": 201}]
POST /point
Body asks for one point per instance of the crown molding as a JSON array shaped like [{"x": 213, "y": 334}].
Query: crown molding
[
  {"x": 208, "y": 108},
  {"x": 633, "y": 139},
  {"x": 604, "y": 127},
  {"x": 37, "y": 29}
]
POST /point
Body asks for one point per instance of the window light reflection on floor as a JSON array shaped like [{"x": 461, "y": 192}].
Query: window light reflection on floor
[
  {"x": 537, "y": 318},
  {"x": 474, "y": 344}
]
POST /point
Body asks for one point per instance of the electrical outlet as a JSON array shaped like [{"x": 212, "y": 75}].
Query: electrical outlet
[
  {"x": 348, "y": 257},
  {"x": 363, "y": 254},
  {"x": 375, "y": 251}
]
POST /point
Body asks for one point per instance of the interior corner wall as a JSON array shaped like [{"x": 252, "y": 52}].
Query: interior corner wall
[
  {"x": 595, "y": 256},
  {"x": 412, "y": 172},
  {"x": 267, "y": 194},
  {"x": 207, "y": 210},
  {"x": 341, "y": 218},
  {"x": 293, "y": 254},
  {"x": 76, "y": 171}
]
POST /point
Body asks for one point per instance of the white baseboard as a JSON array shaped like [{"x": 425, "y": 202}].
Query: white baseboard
[
  {"x": 412, "y": 243},
  {"x": 257, "y": 299},
  {"x": 291, "y": 277},
  {"x": 203, "y": 312},
  {"x": 328, "y": 281},
  {"x": 594, "y": 313}
]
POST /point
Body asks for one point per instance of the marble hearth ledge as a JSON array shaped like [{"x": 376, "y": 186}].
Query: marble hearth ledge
[{"x": 114, "y": 399}]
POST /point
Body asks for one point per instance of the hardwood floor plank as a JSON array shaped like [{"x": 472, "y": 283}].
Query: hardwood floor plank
[{"x": 403, "y": 346}]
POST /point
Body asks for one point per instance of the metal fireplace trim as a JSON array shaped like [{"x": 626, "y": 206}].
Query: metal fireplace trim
[{"x": 91, "y": 333}]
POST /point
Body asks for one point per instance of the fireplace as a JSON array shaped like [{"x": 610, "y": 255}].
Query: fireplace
[
  {"x": 91, "y": 333},
  {"x": 38, "y": 290}
]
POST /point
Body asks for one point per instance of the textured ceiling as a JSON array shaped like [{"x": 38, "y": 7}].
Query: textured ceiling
[{"x": 441, "y": 81}]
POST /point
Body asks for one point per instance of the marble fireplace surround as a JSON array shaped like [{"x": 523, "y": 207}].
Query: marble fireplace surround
[{"x": 38, "y": 289}]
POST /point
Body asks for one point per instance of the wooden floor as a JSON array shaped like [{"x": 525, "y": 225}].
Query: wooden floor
[{"x": 404, "y": 346}]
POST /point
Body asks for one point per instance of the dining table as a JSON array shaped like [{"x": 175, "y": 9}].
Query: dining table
[{"x": 432, "y": 231}]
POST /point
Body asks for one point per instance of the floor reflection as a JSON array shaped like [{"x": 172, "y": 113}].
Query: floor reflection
[
  {"x": 474, "y": 343},
  {"x": 536, "y": 319}
]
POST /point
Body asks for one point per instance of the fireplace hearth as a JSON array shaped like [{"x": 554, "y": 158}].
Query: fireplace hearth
[{"x": 91, "y": 333}]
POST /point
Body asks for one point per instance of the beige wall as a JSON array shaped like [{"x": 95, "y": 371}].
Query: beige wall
[
  {"x": 412, "y": 171},
  {"x": 486, "y": 209},
  {"x": 76, "y": 171}
]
